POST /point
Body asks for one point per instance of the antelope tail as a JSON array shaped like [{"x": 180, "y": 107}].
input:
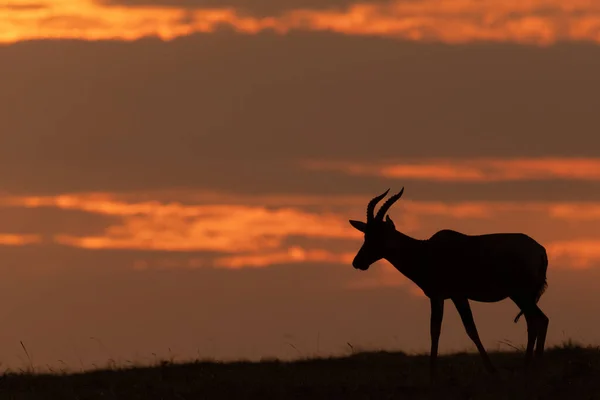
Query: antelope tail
[{"x": 543, "y": 286}]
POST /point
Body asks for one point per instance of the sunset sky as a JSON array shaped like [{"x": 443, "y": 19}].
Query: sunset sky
[{"x": 176, "y": 177}]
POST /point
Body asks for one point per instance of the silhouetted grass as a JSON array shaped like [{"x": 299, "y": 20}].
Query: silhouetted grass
[{"x": 568, "y": 372}]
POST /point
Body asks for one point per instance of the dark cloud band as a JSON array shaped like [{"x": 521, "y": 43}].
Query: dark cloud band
[
  {"x": 252, "y": 7},
  {"x": 239, "y": 112}
]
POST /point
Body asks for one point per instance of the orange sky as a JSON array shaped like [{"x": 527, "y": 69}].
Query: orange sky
[
  {"x": 162, "y": 195},
  {"x": 247, "y": 233},
  {"x": 538, "y": 21}
]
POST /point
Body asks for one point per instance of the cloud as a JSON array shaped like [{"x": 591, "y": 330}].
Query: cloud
[
  {"x": 474, "y": 170},
  {"x": 255, "y": 233},
  {"x": 22, "y": 6},
  {"x": 576, "y": 253},
  {"x": 292, "y": 255},
  {"x": 211, "y": 230},
  {"x": 8, "y": 239},
  {"x": 255, "y": 7},
  {"x": 217, "y": 228},
  {"x": 534, "y": 22},
  {"x": 576, "y": 211},
  {"x": 232, "y": 231}
]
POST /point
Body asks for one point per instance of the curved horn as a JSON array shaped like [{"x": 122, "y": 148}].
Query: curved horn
[
  {"x": 386, "y": 206},
  {"x": 372, "y": 204}
]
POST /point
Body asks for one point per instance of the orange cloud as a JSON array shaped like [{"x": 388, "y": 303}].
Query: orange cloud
[
  {"x": 474, "y": 170},
  {"x": 254, "y": 235},
  {"x": 575, "y": 211},
  {"x": 292, "y": 255},
  {"x": 540, "y": 22},
  {"x": 7, "y": 239},
  {"x": 222, "y": 204},
  {"x": 576, "y": 253},
  {"x": 258, "y": 217},
  {"x": 215, "y": 228}
]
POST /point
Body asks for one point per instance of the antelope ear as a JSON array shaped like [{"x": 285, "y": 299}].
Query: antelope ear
[
  {"x": 389, "y": 221},
  {"x": 361, "y": 226}
]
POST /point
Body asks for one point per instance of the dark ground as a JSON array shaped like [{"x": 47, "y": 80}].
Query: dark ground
[{"x": 568, "y": 372}]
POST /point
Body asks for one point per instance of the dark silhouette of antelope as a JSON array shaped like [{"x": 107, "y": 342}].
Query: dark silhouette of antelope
[{"x": 452, "y": 265}]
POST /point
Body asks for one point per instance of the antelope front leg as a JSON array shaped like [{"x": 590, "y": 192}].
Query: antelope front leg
[
  {"x": 437, "y": 314},
  {"x": 464, "y": 309}
]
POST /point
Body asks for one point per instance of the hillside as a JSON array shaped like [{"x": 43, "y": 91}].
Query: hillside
[{"x": 569, "y": 372}]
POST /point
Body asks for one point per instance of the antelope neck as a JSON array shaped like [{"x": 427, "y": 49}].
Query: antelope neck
[{"x": 405, "y": 254}]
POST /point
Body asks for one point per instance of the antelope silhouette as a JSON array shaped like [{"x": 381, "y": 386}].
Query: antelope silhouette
[{"x": 452, "y": 265}]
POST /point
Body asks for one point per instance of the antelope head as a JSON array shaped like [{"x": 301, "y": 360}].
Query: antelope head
[{"x": 377, "y": 231}]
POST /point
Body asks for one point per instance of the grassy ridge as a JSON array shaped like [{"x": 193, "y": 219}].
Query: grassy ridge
[{"x": 568, "y": 372}]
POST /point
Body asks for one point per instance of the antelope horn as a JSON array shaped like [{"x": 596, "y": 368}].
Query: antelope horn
[
  {"x": 386, "y": 206},
  {"x": 372, "y": 204}
]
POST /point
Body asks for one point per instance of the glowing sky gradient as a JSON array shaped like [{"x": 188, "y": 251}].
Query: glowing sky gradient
[{"x": 173, "y": 173}]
